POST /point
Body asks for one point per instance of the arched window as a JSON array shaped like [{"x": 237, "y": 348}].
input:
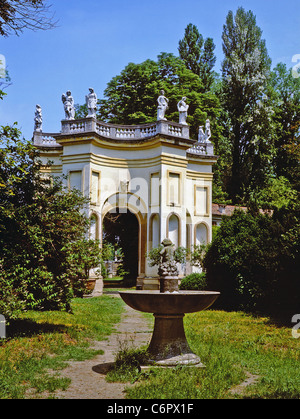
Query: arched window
[
  {"x": 174, "y": 230},
  {"x": 188, "y": 230},
  {"x": 201, "y": 234},
  {"x": 154, "y": 238}
]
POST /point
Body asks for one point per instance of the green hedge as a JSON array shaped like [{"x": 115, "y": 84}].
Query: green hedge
[{"x": 194, "y": 281}]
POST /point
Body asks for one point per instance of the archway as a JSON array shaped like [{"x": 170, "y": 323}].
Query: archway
[{"x": 122, "y": 228}]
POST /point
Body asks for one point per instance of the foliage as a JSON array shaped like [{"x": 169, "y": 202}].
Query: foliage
[
  {"x": 284, "y": 93},
  {"x": 5, "y": 79},
  {"x": 10, "y": 303},
  {"x": 130, "y": 96},
  {"x": 249, "y": 258},
  {"x": 45, "y": 256},
  {"x": 245, "y": 70},
  {"x": 277, "y": 194},
  {"x": 194, "y": 281},
  {"x": 180, "y": 254},
  {"x": 30, "y": 14},
  {"x": 197, "y": 254},
  {"x": 154, "y": 257},
  {"x": 127, "y": 365},
  {"x": 108, "y": 251},
  {"x": 198, "y": 55}
]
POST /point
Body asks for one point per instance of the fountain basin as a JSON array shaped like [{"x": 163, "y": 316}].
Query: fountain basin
[
  {"x": 169, "y": 346},
  {"x": 169, "y": 303}
]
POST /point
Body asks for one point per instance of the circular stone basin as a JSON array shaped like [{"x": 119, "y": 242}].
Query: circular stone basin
[{"x": 169, "y": 303}]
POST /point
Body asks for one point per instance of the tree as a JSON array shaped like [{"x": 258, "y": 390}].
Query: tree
[
  {"x": 207, "y": 74},
  {"x": 45, "y": 256},
  {"x": 198, "y": 55},
  {"x": 245, "y": 72},
  {"x": 190, "y": 48},
  {"x": 285, "y": 96},
  {"x": 5, "y": 80},
  {"x": 17, "y": 15},
  {"x": 277, "y": 194},
  {"x": 131, "y": 96}
]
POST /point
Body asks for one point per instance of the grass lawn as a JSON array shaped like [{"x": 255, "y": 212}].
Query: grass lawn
[
  {"x": 38, "y": 342},
  {"x": 233, "y": 346}
]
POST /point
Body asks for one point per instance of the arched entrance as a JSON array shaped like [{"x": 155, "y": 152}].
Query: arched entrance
[{"x": 122, "y": 228}]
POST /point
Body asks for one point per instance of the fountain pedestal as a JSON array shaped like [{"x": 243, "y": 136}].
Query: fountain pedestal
[{"x": 169, "y": 345}]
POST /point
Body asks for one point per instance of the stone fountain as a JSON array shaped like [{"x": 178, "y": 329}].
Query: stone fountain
[{"x": 169, "y": 346}]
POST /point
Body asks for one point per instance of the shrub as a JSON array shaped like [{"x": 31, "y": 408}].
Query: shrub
[
  {"x": 45, "y": 257},
  {"x": 194, "y": 281},
  {"x": 254, "y": 261}
]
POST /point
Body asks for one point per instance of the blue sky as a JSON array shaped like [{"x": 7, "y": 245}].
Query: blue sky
[{"x": 96, "y": 39}]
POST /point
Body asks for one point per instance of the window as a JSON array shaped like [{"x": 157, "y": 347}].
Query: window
[
  {"x": 201, "y": 200},
  {"x": 75, "y": 180},
  {"x": 173, "y": 230},
  {"x": 201, "y": 234},
  {"x": 154, "y": 189},
  {"x": 154, "y": 231},
  {"x": 95, "y": 187},
  {"x": 174, "y": 197}
]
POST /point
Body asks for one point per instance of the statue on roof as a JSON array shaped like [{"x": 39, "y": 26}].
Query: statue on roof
[
  {"x": 91, "y": 102},
  {"x": 182, "y": 107},
  {"x": 204, "y": 137},
  {"x": 201, "y": 135},
  {"x": 68, "y": 102},
  {"x": 207, "y": 131},
  {"x": 163, "y": 104},
  {"x": 38, "y": 119}
]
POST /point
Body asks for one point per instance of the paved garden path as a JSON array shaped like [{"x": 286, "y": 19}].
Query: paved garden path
[{"x": 88, "y": 377}]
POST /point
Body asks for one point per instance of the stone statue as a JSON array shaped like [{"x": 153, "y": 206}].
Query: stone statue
[
  {"x": 68, "y": 102},
  {"x": 163, "y": 104},
  {"x": 168, "y": 265},
  {"x": 38, "y": 119},
  {"x": 167, "y": 270},
  {"x": 91, "y": 102},
  {"x": 182, "y": 109},
  {"x": 201, "y": 135},
  {"x": 207, "y": 131}
]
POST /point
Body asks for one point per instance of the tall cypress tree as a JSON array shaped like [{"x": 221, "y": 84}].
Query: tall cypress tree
[
  {"x": 198, "y": 55},
  {"x": 190, "y": 48},
  {"x": 245, "y": 71}
]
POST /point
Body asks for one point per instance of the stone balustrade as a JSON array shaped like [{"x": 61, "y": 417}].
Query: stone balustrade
[
  {"x": 111, "y": 131},
  {"x": 45, "y": 139},
  {"x": 200, "y": 149},
  {"x": 122, "y": 133}
]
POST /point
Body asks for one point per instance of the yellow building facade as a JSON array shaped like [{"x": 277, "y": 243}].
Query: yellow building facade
[{"x": 154, "y": 171}]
